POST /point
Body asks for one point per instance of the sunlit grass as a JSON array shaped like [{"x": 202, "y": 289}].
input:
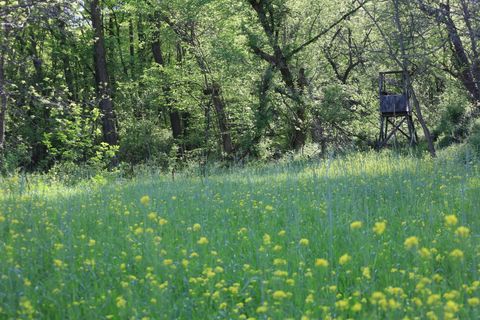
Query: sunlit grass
[{"x": 365, "y": 237}]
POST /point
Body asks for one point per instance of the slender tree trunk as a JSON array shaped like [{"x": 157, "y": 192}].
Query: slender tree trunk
[
  {"x": 112, "y": 61},
  {"x": 3, "y": 95},
  {"x": 211, "y": 88},
  {"x": 300, "y": 127},
  {"x": 465, "y": 67},
  {"x": 214, "y": 90},
  {"x": 405, "y": 67},
  {"x": 101, "y": 77},
  {"x": 219, "y": 106},
  {"x": 279, "y": 60},
  {"x": 174, "y": 114},
  {"x": 142, "y": 40},
  {"x": 469, "y": 71},
  {"x": 41, "y": 120},
  {"x": 67, "y": 71},
  {"x": 474, "y": 35},
  {"x": 131, "y": 46},
  {"x": 118, "y": 37}
]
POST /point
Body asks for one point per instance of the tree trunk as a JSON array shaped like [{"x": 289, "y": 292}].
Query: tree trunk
[
  {"x": 318, "y": 134},
  {"x": 279, "y": 60},
  {"x": 405, "y": 65},
  {"x": 40, "y": 122},
  {"x": 468, "y": 71},
  {"x": 211, "y": 88},
  {"x": 174, "y": 114},
  {"x": 67, "y": 72},
  {"x": 119, "y": 44},
  {"x": 131, "y": 46},
  {"x": 101, "y": 77},
  {"x": 219, "y": 106},
  {"x": 3, "y": 97},
  {"x": 464, "y": 66}
]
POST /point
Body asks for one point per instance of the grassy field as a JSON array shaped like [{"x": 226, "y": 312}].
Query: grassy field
[{"x": 364, "y": 237}]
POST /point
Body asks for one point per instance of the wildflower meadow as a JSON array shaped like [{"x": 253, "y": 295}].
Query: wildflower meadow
[{"x": 363, "y": 237}]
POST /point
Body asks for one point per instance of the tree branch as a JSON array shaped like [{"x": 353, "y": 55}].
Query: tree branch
[{"x": 325, "y": 31}]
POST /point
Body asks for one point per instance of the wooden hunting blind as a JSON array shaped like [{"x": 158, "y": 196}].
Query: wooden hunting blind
[{"x": 395, "y": 108}]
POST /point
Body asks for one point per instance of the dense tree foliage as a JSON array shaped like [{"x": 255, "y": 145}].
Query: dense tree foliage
[{"x": 106, "y": 82}]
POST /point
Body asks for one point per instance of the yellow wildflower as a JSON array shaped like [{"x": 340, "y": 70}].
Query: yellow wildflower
[
  {"x": 451, "y": 220},
  {"x": 121, "y": 302},
  {"x": 411, "y": 242},
  {"x": 424, "y": 253},
  {"x": 457, "y": 254},
  {"x": 433, "y": 299},
  {"x": 309, "y": 299},
  {"x": 357, "y": 307},
  {"x": 451, "y": 295},
  {"x": 202, "y": 240},
  {"x": 321, "y": 263},
  {"x": 462, "y": 232},
  {"x": 267, "y": 239},
  {"x": 356, "y": 225},
  {"x": 303, "y": 242},
  {"x": 379, "y": 227},
  {"x": 279, "y": 262},
  {"x": 197, "y": 227},
  {"x": 366, "y": 272},
  {"x": 138, "y": 231},
  {"x": 152, "y": 216},
  {"x": 474, "y": 301},
  {"x": 262, "y": 309},
  {"x": 345, "y": 259},
  {"x": 342, "y": 304},
  {"x": 279, "y": 295},
  {"x": 451, "y": 306},
  {"x": 145, "y": 200},
  {"x": 58, "y": 263},
  {"x": 277, "y": 248},
  {"x": 431, "y": 315},
  {"x": 377, "y": 296}
]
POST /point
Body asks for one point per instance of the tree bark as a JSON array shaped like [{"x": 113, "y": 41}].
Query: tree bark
[
  {"x": 102, "y": 81},
  {"x": 174, "y": 114},
  {"x": 3, "y": 95},
  {"x": 468, "y": 71},
  {"x": 119, "y": 44},
  {"x": 219, "y": 106},
  {"x": 279, "y": 60},
  {"x": 405, "y": 67},
  {"x": 211, "y": 87},
  {"x": 67, "y": 71},
  {"x": 131, "y": 47}
]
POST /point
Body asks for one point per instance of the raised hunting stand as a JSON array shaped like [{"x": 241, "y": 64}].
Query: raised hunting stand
[{"x": 395, "y": 108}]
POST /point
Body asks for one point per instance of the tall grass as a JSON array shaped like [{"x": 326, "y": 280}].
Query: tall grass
[{"x": 274, "y": 242}]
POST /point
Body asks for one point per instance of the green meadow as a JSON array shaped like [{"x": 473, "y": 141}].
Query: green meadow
[{"x": 372, "y": 236}]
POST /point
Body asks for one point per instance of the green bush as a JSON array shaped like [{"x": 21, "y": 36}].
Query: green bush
[
  {"x": 144, "y": 140},
  {"x": 474, "y": 137},
  {"x": 452, "y": 127}
]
